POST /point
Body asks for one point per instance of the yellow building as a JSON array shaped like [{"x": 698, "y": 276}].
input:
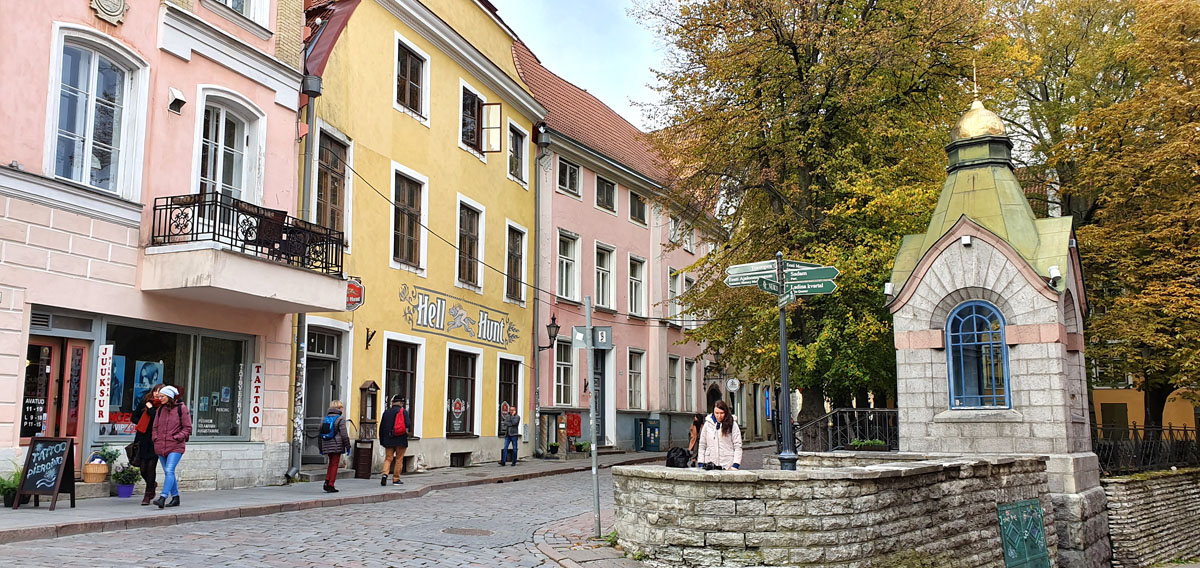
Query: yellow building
[
  {"x": 424, "y": 156},
  {"x": 1123, "y": 406}
]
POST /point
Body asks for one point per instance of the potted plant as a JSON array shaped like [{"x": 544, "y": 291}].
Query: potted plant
[
  {"x": 125, "y": 476},
  {"x": 9, "y": 483},
  {"x": 584, "y": 446},
  {"x": 109, "y": 454},
  {"x": 869, "y": 445},
  {"x": 553, "y": 447}
]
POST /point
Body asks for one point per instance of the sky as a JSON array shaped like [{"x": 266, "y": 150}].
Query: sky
[{"x": 594, "y": 44}]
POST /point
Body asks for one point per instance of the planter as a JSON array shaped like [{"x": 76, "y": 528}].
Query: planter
[
  {"x": 579, "y": 447},
  {"x": 870, "y": 449},
  {"x": 10, "y": 498},
  {"x": 125, "y": 491},
  {"x": 553, "y": 449},
  {"x": 95, "y": 472}
]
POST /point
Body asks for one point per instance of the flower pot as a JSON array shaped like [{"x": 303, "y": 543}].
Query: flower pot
[
  {"x": 579, "y": 447},
  {"x": 10, "y": 498},
  {"x": 125, "y": 491},
  {"x": 553, "y": 449}
]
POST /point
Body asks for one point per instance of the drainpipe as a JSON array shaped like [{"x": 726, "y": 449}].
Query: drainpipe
[
  {"x": 543, "y": 142},
  {"x": 310, "y": 86}
]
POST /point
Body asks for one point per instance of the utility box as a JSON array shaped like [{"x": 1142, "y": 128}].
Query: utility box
[
  {"x": 364, "y": 457},
  {"x": 650, "y": 436}
]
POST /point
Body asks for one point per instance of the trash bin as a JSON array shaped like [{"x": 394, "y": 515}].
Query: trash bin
[
  {"x": 364, "y": 458},
  {"x": 650, "y": 439}
]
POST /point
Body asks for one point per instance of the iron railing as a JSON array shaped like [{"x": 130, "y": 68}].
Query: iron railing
[
  {"x": 247, "y": 228},
  {"x": 1131, "y": 449},
  {"x": 836, "y": 430}
]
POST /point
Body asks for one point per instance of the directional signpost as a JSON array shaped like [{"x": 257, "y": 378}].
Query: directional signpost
[{"x": 786, "y": 279}]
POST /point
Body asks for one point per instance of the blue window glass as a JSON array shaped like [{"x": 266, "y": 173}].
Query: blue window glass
[{"x": 978, "y": 357}]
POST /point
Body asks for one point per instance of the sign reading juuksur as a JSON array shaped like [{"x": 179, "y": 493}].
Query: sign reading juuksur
[{"x": 428, "y": 310}]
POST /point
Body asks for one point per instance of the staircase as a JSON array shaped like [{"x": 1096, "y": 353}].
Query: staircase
[{"x": 835, "y": 431}]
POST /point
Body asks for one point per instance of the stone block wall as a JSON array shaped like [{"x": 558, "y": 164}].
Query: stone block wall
[
  {"x": 1153, "y": 517},
  {"x": 826, "y": 517}
]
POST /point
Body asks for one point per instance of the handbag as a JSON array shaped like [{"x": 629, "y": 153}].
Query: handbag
[{"x": 131, "y": 454}]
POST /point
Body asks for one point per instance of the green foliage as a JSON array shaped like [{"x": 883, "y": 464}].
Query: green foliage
[
  {"x": 585, "y": 446},
  {"x": 867, "y": 443},
  {"x": 639, "y": 556},
  {"x": 125, "y": 474},
  {"x": 109, "y": 454},
  {"x": 611, "y": 538},
  {"x": 10, "y": 481}
]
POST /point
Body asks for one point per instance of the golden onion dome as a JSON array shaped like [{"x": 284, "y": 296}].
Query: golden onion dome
[{"x": 976, "y": 122}]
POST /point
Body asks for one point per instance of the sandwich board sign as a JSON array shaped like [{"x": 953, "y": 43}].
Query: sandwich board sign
[{"x": 49, "y": 470}]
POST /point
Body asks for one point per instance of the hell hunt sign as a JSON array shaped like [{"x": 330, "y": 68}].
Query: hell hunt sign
[
  {"x": 103, "y": 385},
  {"x": 427, "y": 310}
]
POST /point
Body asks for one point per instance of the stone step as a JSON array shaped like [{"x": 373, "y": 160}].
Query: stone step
[
  {"x": 312, "y": 473},
  {"x": 92, "y": 490}
]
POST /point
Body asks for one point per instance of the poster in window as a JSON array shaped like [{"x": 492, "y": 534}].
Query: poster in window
[
  {"x": 117, "y": 394},
  {"x": 204, "y": 404},
  {"x": 146, "y": 374},
  {"x": 225, "y": 392}
]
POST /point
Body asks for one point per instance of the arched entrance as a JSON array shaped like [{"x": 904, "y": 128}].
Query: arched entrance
[{"x": 714, "y": 394}]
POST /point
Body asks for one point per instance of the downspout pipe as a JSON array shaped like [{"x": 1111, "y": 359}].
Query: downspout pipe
[{"x": 543, "y": 153}]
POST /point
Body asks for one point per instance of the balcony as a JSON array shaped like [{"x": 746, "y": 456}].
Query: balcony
[{"x": 214, "y": 248}]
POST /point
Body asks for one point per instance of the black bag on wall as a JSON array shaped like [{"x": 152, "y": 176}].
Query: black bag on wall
[{"x": 678, "y": 457}]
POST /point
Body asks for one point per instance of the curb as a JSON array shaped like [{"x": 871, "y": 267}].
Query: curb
[{"x": 8, "y": 536}]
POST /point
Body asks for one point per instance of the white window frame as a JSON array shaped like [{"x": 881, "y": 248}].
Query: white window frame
[
  {"x": 257, "y": 12},
  {"x": 688, "y": 282},
  {"x": 477, "y": 412},
  {"x": 638, "y": 308},
  {"x": 630, "y": 399},
  {"x": 520, "y": 360},
  {"x": 325, "y": 129},
  {"x": 256, "y": 137},
  {"x": 510, "y": 224},
  {"x": 674, "y": 282},
  {"x": 674, "y": 363},
  {"x": 481, "y": 154},
  {"x": 689, "y": 385},
  {"x": 418, "y": 394},
  {"x": 573, "y": 278},
  {"x": 607, "y": 300},
  {"x": 479, "y": 263},
  {"x": 131, "y": 157},
  {"x": 645, "y": 209},
  {"x": 422, "y": 118},
  {"x": 398, "y": 168},
  {"x": 524, "y": 155},
  {"x": 577, "y": 193},
  {"x": 573, "y": 373},
  {"x": 616, "y": 194},
  {"x": 689, "y": 238}
]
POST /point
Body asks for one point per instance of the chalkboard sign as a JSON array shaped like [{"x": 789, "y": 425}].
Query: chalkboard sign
[{"x": 49, "y": 470}]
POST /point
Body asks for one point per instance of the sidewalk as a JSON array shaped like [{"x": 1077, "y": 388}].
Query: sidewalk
[
  {"x": 110, "y": 514},
  {"x": 572, "y": 543}
]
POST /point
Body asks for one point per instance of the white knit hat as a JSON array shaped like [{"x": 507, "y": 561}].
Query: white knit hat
[{"x": 169, "y": 392}]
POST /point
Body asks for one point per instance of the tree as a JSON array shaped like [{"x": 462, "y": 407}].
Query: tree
[
  {"x": 806, "y": 125},
  {"x": 1142, "y": 255}
]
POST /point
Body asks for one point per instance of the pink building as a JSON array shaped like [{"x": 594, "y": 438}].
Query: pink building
[
  {"x": 147, "y": 225},
  {"x": 601, "y": 236}
]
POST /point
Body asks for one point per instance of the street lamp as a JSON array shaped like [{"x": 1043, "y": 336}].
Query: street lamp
[{"x": 551, "y": 331}]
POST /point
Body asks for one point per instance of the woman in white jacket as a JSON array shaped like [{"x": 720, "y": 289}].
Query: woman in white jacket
[{"x": 720, "y": 439}]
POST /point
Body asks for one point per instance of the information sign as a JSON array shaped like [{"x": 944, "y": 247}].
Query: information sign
[{"x": 49, "y": 470}]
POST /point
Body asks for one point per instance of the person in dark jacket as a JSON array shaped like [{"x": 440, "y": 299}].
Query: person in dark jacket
[
  {"x": 510, "y": 428},
  {"x": 172, "y": 429},
  {"x": 393, "y": 441},
  {"x": 144, "y": 437},
  {"x": 334, "y": 447}
]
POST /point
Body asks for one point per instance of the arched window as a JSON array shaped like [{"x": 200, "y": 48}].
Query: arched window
[{"x": 978, "y": 357}]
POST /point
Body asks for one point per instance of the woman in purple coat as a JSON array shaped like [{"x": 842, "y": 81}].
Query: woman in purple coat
[{"x": 172, "y": 428}]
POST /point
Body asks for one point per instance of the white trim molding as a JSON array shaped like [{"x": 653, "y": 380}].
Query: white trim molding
[
  {"x": 479, "y": 256},
  {"x": 256, "y": 138},
  {"x": 418, "y": 393}
]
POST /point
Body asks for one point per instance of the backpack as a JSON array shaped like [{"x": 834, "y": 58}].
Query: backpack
[
  {"x": 678, "y": 457},
  {"x": 399, "y": 428},
  {"x": 329, "y": 427}
]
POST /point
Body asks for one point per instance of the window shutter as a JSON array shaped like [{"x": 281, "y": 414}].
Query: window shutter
[{"x": 491, "y": 131}]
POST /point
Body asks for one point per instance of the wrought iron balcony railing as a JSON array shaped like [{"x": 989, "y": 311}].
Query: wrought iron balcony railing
[{"x": 247, "y": 228}]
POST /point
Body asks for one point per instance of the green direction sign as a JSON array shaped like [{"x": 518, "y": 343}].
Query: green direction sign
[
  {"x": 811, "y": 288},
  {"x": 786, "y": 298},
  {"x": 768, "y": 285},
  {"x": 750, "y": 279},
  {"x": 797, "y": 265},
  {"x": 809, "y": 274},
  {"x": 763, "y": 266}
]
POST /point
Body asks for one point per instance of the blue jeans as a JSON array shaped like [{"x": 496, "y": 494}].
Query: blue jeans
[
  {"x": 170, "y": 483},
  {"x": 509, "y": 441}
]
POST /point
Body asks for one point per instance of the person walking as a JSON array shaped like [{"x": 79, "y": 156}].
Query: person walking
[
  {"x": 172, "y": 429},
  {"x": 333, "y": 442},
  {"x": 147, "y": 460},
  {"x": 394, "y": 426},
  {"x": 694, "y": 437},
  {"x": 510, "y": 428},
  {"x": 720, "y": 439}
]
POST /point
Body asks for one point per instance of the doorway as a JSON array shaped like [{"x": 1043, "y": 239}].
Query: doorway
[
  {"x": 320, "y": 388},
  {"x": 714, "y": 394},
  {"x": 56, "y": 373},
  {"x": 598, "y": 374}
]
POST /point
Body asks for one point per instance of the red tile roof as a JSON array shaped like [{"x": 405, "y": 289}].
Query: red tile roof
[{"x": 584, "y": 118}]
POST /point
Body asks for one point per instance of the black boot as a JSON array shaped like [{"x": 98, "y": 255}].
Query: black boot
[
  {"x": 329, "y": 488},
  {"x": 383, "y": 481},
  {"x": 160, "y": 502},
  {"x": 174, "y": 502}
]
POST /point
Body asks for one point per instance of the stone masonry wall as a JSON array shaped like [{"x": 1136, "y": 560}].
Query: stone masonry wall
[
  {"x": 860, "y": 516},
  {"x": 1154, "y": 517}
]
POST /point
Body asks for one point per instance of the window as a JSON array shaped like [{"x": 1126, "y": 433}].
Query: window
[
  {"x": 406, "y": 224},
  {"x": 222, "y": 153},
  {"x": 673, "y": 383},
  {"x": 604, "y": 271},
  {"x": 688, "y": 282},
  {"x": 472, "y": 120},
  {"x": 688, "y": 238},
  {"x": 637, "y": 304},
  {"x": 635, "y": 379},
  {"x": 637, "y": 208},
  {"x": 468, "y": 245},
  {"x": 516, "y": 252},
  {"x": 509, "y": 372},
  {"x": 566, "y": 266},
  {"x": 516, "y": 154},
  {"x": 568, "y": 177},
  {"x": 460, "y": 393},
  {"x": 240, "y": 6},
  {"x": 409, "y": 76},
  {"x": 978, "y": 356},
  {"x": 673, "y": 283},
  {"x": 606, "y": 194},
  {"x": 564, "y": 372},
  {"x": 91, "y": 117},
  {"x": 331, "y": 183},
  {"x": 400, "y": 373},
  {"x": 689, "y": 381}
]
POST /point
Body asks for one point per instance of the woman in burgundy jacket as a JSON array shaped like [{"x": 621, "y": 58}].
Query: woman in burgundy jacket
[{"x": 172, "y": 428}]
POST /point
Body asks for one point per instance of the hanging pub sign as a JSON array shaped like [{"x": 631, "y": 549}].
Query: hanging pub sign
[
  {"x": 429, "y": 312},
  {"x": 356, "y": 295},
  {"x": 103, "y": 384},
  {"x": 49, "y": 470},
  {"x": 256, "y": 396}
]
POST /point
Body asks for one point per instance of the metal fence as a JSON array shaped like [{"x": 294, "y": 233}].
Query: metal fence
[
  {"x": 1130, "y": 449},
  {"x": 836, "y": 430},
  {"x": 247, "y": 228}
]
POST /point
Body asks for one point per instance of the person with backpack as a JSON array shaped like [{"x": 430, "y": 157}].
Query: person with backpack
[
  {"x": 172, "y": 429},
  {"x": 334, "y": 441},
  {"x": 510, "y": 428},
  {"x": 394, "y": 426},
  {"x": 720, "y": 440}
]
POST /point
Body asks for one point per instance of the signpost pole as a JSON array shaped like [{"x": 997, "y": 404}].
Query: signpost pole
[
  {"x": 591, "y": 373},
  {"x": 787, "y": 458}
]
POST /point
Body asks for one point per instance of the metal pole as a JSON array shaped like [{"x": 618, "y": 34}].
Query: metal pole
[
  {"x": 302, "y": 318},
  {"x": 538, "y": 452},
  {"x": 587, "y": 309},
  {"x": 787, "y": 458}
]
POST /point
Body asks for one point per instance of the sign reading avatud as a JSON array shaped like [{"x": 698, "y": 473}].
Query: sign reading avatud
[{"x": 428, "y": 310}]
